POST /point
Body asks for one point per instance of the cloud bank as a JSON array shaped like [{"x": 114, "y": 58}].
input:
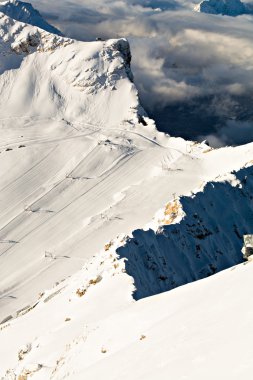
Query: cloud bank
[{"x": 194, "y": 71}]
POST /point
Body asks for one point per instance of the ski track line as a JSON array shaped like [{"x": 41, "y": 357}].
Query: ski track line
[
  {"x": 29, "y": 195},
  {"x": 114, "y": 163},
  {"x": 40, "y": 197},
  {"x": 21, "y": 284},
  {"x": 27, "y": 171},
  {"x": 75, "y": 169},
  {"x": 30, "y": 232},
  {"x": 45, "y": 141},
  {"x": 51, "y": 216},
  {"x": 101, "y": 129},
  {"x": 135, "y": 133}
]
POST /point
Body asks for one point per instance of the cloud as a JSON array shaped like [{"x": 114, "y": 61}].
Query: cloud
[
  {"x": 193, "y": 71},
  {"x": 232, "y": 133}
]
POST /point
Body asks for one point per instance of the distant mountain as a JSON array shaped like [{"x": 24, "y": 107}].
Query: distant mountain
[
  {"x": 24, "y": 12},
  {"x": 223, "y": 7}
]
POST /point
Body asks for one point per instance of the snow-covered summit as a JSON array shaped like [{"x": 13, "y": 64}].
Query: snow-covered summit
[
  {"x": 223, "y": 7},
  {"x": 86, "y": 82},
  {"x": 24, "y": 12}
]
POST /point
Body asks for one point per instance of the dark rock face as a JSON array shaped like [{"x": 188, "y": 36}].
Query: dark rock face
[{"x": 207, "y": 240}]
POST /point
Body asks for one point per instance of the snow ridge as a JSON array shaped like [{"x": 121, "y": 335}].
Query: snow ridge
[
  {"x": 24, "y": 12},
  {"x": 77, "y": 77}
]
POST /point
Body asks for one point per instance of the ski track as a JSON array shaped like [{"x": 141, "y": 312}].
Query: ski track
[
  {"x": 89, "y": 197},
  {"x": 41, "y": 223}
]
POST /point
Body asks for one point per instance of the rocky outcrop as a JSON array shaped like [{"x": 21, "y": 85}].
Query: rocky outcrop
[{"x": 206, "y": 240}]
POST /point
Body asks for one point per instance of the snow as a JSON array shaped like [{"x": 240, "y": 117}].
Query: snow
[
  {"x": 72, "y": 336},
  {"x": 24, "y": 12},
  {"x": 224, "y": 7},
  {"x": 86, "y": 176}
]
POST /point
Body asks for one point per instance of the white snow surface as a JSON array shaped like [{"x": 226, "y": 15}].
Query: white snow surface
[
  {"x": 89, "y": 327},
  {"x": 24, "y": 12},
  {"x": 83, "y": 167}
]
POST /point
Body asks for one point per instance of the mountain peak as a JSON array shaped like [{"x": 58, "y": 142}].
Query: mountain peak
[
  {"x": 24, "y": 12},
  {"x": 223, "y": 7}
]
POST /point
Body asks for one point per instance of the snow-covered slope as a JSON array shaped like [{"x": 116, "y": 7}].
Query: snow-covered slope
[
  {"x": 69, "y": 136},
  {"x": 200, "y": 331},
  {"x": 82, "y": 167},
  {"x": 71, "y": 80},
  {"x": 80, "y": 161},
  {"x": 24, "y": 12},
  {"x": 84, "y": 336},
  {"x": 223, "y": 7}
]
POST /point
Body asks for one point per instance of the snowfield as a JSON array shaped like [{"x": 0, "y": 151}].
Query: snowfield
[
  {"x": 88, "y": 182},
  {"x": 89, "y": 326}
]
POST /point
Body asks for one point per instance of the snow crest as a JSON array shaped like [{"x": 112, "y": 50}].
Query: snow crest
[{"x": 24, "y": 12}]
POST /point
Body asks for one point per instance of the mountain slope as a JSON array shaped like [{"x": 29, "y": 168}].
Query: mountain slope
[
  {"x": 57, "y": 79},
  {"x": 202, "y": 330},
  {"x": 81, "y": 163},
  {"x": 82, "y": 167},
  {"x": 24, "y": 12},
  {"x": 194, "y": 237},
  {"x": 119, "y": 337}
]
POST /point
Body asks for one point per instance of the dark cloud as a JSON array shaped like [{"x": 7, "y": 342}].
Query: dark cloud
[
  {"x": 232, "y": 133},
  {"x": 194, "y": 71}
]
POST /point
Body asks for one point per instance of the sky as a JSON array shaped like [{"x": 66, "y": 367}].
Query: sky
[{"x": 194, "y": 71}]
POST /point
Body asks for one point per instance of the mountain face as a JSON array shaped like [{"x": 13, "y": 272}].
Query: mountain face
[
  {"x": 192, "y": 239},
  {"x": 24, "y": 12},
  {"x": 223, "y": 7},
  {"x": 90, "y": 336},
  {"x": 83, "y": 173},
  {"x": 64, "y": 88},
  {"x": 75, "y": 129}
]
